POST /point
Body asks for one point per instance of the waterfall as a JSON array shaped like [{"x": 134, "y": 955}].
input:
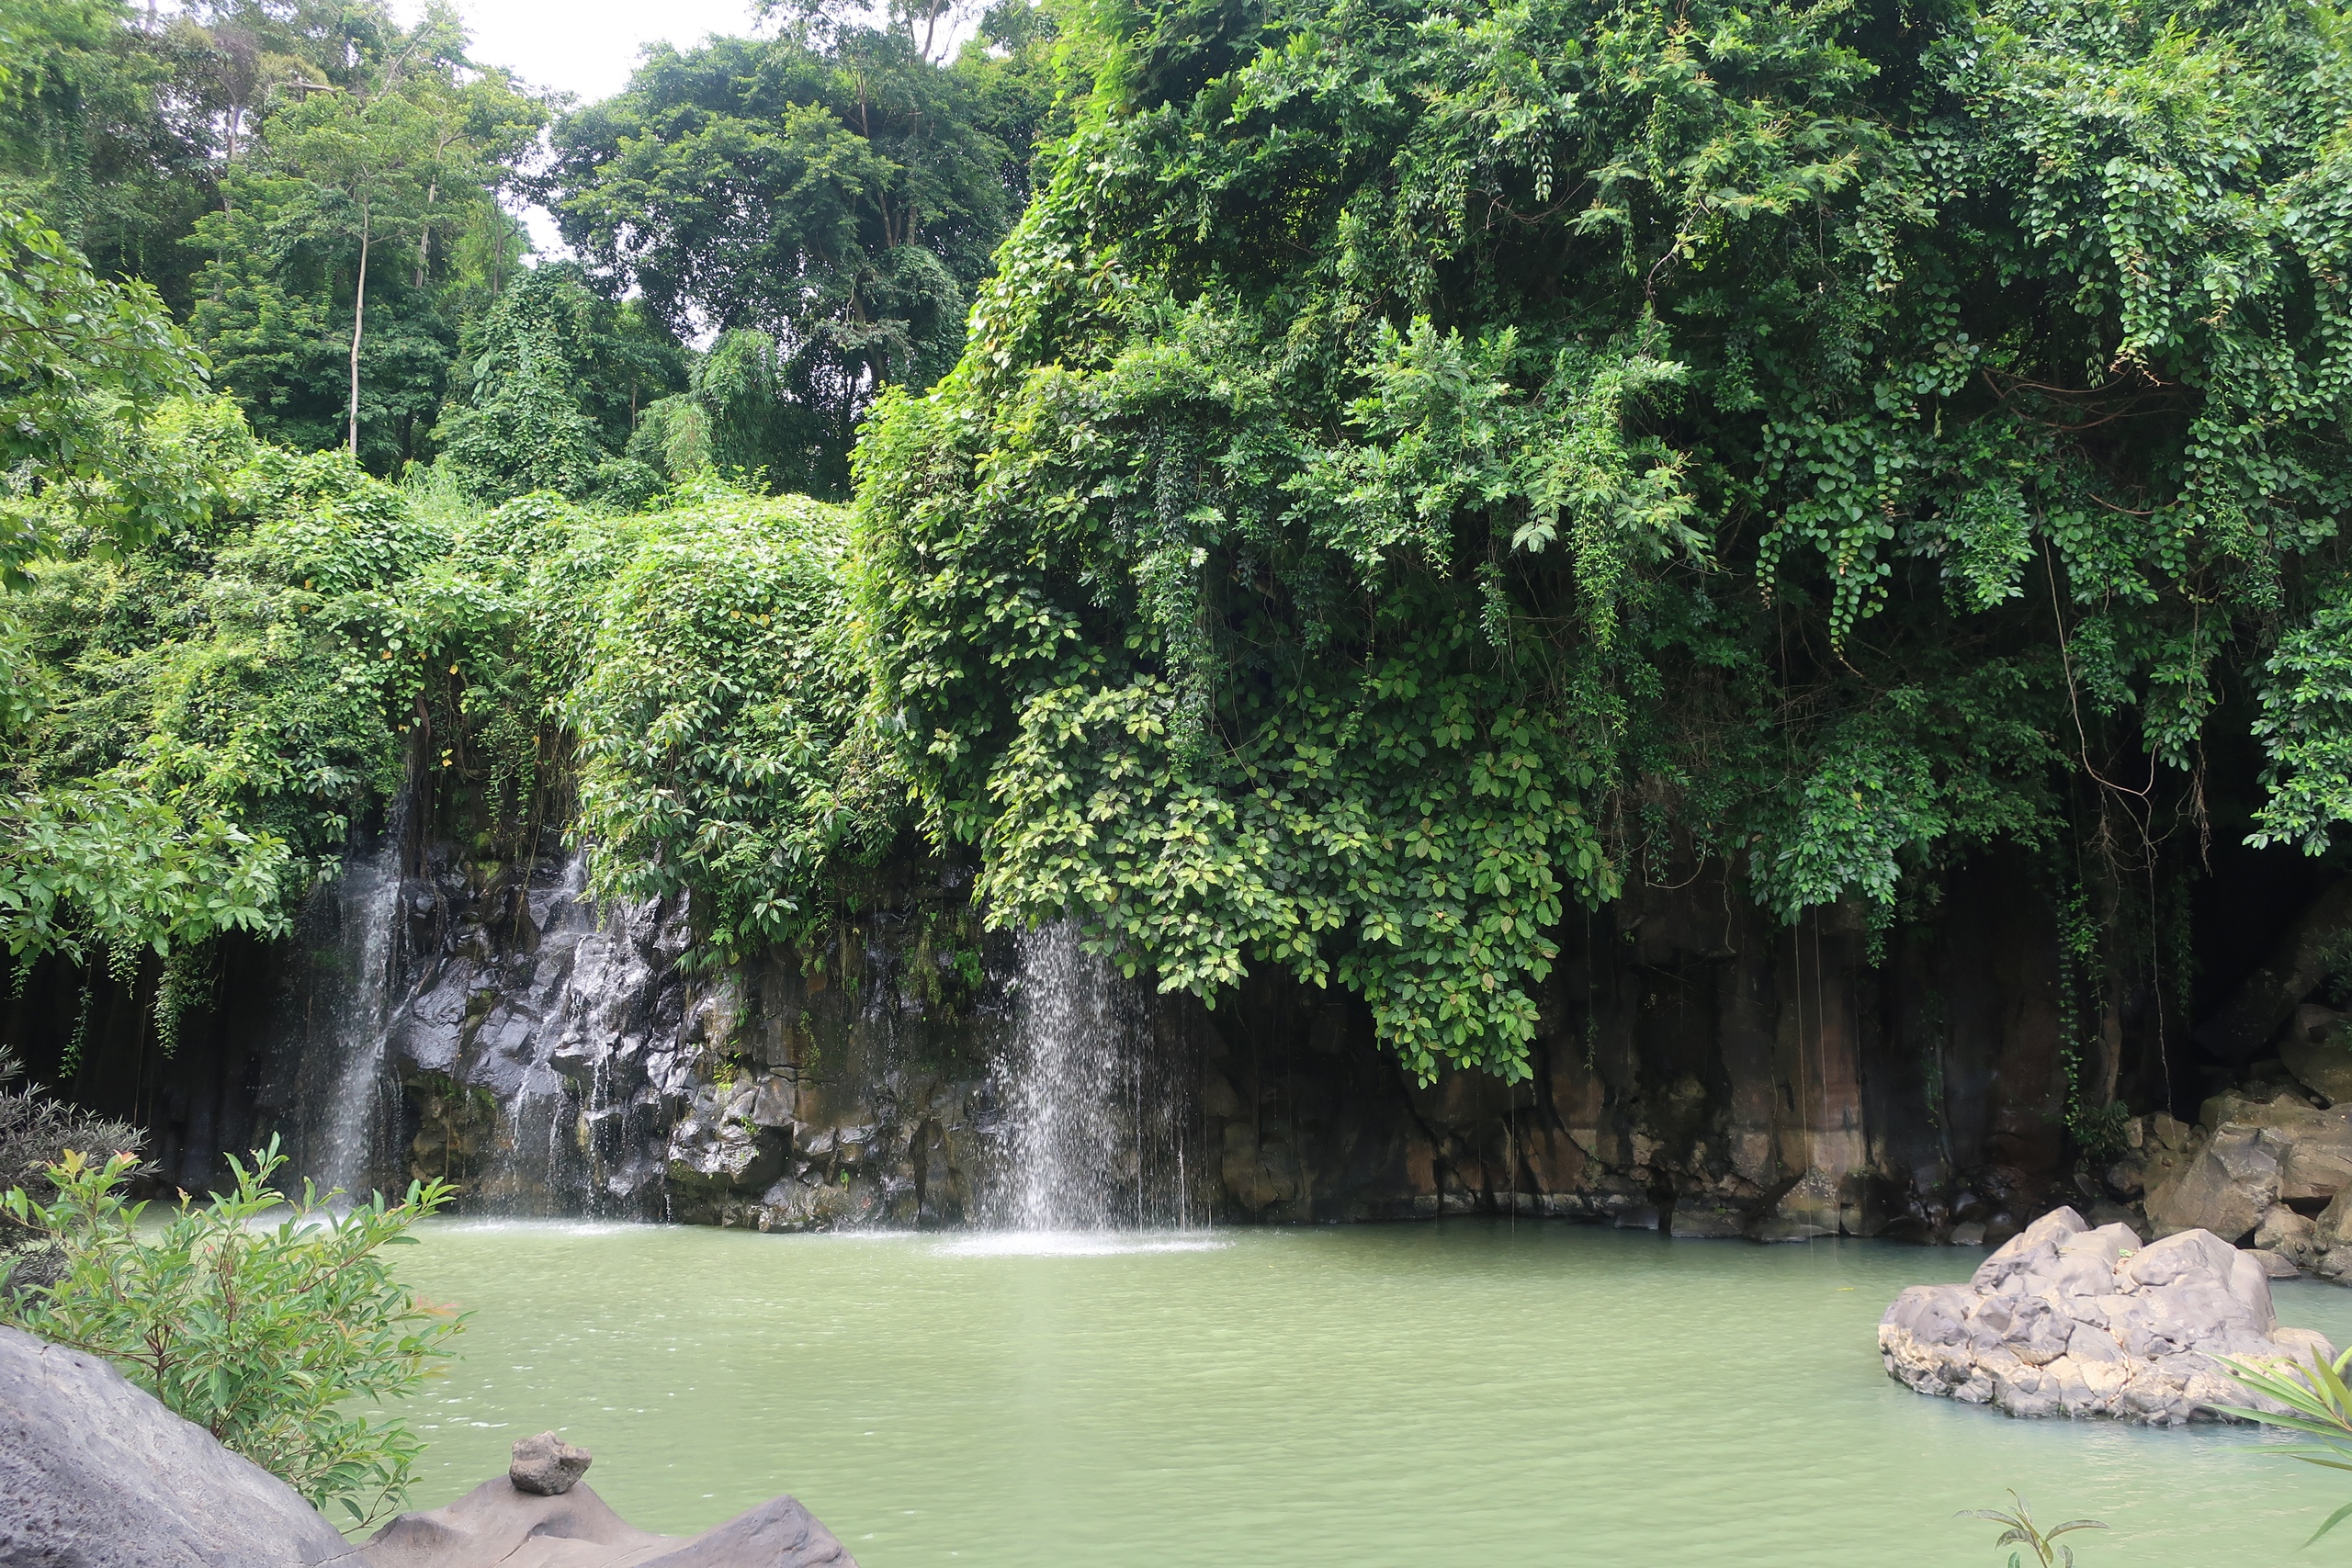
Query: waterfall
[
  {"x": 344, "y": 1071},
  {"x": 1095, "y": 1120}
]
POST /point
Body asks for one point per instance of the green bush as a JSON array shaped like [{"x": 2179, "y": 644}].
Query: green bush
[
  {"x": 714, "y": 715},
  {"x": 267, "y": 1336}
]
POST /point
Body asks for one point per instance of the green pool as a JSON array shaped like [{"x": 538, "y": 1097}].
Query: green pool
[{"x": 1456, "y": 1394}]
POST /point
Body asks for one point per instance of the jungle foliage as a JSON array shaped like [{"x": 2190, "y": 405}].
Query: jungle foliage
[
  {"x": 312, "y": 189},
  {"x": 1406, "y": 473},
  {"x": 1418, "y": 467},
  {"x": 197, "y": 726}
]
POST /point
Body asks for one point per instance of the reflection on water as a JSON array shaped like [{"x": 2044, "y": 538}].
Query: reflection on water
[{"x": 1426, "y": 1395}]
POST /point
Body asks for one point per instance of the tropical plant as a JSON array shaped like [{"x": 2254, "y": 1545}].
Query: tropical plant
[
  {"x": 2318, "y": 1405},
  {"x": 37, "y": 1131},
  {"x": 2018, "y": 1530},
  {"x": 36, "y": 1128},
  {"x": 190, "y": 729},
  {"x": 266, "y": 1322},
  {"x": 84, "y": 364}
]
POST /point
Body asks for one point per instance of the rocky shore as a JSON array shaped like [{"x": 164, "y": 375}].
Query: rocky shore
[{"x": 94, "y": 1473}]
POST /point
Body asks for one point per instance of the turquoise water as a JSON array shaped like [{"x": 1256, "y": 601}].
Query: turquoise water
[{"x": 1447, "y": 1395}]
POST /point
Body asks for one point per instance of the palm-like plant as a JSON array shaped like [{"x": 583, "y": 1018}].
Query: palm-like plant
[
  {"x": 2022, "y": 1531},
  {"x": 2318, "y": 1405}
]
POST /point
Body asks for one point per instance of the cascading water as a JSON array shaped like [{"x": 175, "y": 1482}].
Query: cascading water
[
  {"x": 1096, "y": 1121},
  {"x": 345, "y": 1077}
]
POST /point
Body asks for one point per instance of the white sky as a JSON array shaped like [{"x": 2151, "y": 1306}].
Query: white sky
[{"x": 589, "y": 47}]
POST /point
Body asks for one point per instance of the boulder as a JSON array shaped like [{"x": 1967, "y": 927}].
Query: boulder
[
  {"x": 2278, "y": 1265},
  {"x": 2314, "y": 1148},
  {"x": 94, "y": 1473},
  {"x": 497, "y": 1523},
  {"x": 547, "y": 1466},
  {"x": 2289, "y": 1236},
  {"x": 2065, "y": 1320},
  {"x": 2225, "y": 1187}
]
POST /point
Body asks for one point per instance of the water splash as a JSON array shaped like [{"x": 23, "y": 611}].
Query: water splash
[{"x": 1096, "y": 1118}]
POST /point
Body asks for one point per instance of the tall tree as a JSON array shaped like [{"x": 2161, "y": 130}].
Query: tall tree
[
  {"x": 549, "y": 384},
  {"x": 347, "y": 232},
  {"x": 834, "y": 189}
]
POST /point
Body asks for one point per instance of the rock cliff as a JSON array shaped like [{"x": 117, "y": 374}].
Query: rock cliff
[{"x": 1700, "y": 1068}]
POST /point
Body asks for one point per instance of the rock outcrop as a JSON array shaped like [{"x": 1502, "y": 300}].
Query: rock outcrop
[
  {"x": 94, "y": 1473},
  {"x": 2065, "y": 1320},
  {"x": 1697, "y": 1066}
]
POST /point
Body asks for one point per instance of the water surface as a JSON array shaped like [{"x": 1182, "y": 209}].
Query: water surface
[{"x": 1456, "y": 1394}]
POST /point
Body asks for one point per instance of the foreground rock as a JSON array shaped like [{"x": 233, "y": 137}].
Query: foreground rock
[
  {"x": 538, "y": 1515},
  {"x": 498, "y": 1523},
  {"x": 2065, "y": 1320},
  {"x": 96, "y": 1473}
]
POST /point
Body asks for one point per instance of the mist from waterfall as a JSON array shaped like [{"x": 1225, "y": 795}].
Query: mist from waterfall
[{"x": 1097, "y": 1121}]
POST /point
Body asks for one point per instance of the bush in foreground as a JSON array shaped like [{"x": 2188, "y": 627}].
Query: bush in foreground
[{"x": 264, "y": 1334}]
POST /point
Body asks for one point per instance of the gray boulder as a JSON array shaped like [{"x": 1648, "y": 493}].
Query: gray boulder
[
  {"x": 2064, "y": 1320},
  {"x": 547, "y": 1466},
  {"x": 96, "y": 1473},
  {"x": 498, "y": 1524},
  {"x": 2225, "y": 1189}
]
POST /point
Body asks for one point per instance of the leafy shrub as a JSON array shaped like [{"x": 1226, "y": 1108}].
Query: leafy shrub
[
  {"x": 36, "y": 1132},
  {"x": 715, "y": 715},
  {"x": 263, "y": 1334}
]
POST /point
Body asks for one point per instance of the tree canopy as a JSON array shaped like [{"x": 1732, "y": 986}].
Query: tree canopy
[{"x": 828, "y": 197}]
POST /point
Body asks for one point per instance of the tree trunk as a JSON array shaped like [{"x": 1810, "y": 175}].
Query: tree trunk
[{"x": 359, "y": 320}]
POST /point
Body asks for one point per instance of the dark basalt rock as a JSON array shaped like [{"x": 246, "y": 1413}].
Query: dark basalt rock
[
  {"x": 94, "y": 1473},
  {"x": 497, "y": 1523}
]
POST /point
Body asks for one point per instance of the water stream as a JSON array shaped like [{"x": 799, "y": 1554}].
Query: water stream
[
  {"x": 1097, "y": 1117},
  {"x": 1463, "y": 1392},
  {"x": 346, "y": 1089}
]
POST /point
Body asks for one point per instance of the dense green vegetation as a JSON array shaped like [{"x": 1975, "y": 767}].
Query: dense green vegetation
[
  {"x": 825, "y": 200},
  {"x": 1416, "y": 467},
  {"x": 320, "y": 195},
  {"x": 1404, "y": 473}
]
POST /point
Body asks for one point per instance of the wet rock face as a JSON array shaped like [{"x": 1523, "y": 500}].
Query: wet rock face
[
  {"x": 543, "y": 1044},
  {"x": 2065, "y": 1320}
]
